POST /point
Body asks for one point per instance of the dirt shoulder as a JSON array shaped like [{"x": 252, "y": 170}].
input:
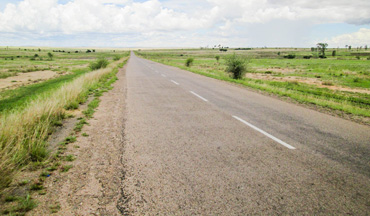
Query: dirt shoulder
[{"x": 92, "y": 185}]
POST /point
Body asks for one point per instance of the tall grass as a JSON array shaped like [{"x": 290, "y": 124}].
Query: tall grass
[{"x": 24, "y": 133}]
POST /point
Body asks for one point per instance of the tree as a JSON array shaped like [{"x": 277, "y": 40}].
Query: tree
[
  {"x": 217, "y": 58},
  {"x": 50, "y": 56},
  {"x": 322, "y": 47}
]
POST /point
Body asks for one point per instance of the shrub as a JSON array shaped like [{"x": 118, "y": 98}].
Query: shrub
[
  {"x": 358, "y": 57},
  {"x": 189, "y": 62},
  {"x": 322, "y": 56},
  {"x": 356, "y": 79},
  {"x": 307, "y": 57},
  {"x": 290, "y": 56},
  {"x": 116, "y": 58},
  {"x": 328, "y": 83},
  {"x": 100, "y": 63},
  {"x": 50, "y": 56},
  {"x": 217, "y": 57},
  {"x": 236, "y": 66}
]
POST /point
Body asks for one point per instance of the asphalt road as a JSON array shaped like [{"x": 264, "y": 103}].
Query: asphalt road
[{"x": 195, "y": 145}]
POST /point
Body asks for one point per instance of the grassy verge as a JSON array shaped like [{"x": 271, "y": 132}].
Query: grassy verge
[
  {"x": 67, "y": 64},
  {"x": 24, "y": 132},
  {"x": 18, "y": 98},
  {"x": 58, "y": 161},
  {"x": 351, "y": 103}
]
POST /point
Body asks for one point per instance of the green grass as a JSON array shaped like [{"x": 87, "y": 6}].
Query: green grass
[
  {"x": 18, "y": 98},
  {"x": 25, "y": 129},
  {"x": 54, "y": 208},
  {"x": 75, "y": 64},
  {"x": 69, "y": 158},
  {"x": 70, "y": 139},
  {"x": 23, "y": 205},
  {"x": 66, "y": 168},
  {"x": 346, "y": 72},
  {"x": 80, "y": 125}
]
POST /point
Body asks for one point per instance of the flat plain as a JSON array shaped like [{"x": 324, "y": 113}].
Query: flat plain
[{"x": 338, "y": 84}]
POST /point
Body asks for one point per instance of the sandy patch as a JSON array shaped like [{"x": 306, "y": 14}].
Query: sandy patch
[
  {"x": 277, "y": 70},
  {"x": 306, "y": 80},
  {"x": 26, "y": 78},
  {"x": 78, "y": 66}
]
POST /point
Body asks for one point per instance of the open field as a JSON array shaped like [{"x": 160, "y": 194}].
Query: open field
[
  {"x": 23, "y": 77},
  {"x": 30, "y": 113},
  {"x": 339, "y": 84}
]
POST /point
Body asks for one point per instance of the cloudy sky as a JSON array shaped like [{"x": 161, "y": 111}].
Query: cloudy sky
[{"x": 184, "y": 23}]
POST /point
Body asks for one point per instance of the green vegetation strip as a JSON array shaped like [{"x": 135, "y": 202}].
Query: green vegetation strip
[
  {"x": 21, "y": 205},
  {"x": 18, "y": 98},
  {"x": 24, "y": 132}
]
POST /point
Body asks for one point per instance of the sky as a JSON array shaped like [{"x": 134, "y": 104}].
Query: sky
[{"x": 184, "y": 23}]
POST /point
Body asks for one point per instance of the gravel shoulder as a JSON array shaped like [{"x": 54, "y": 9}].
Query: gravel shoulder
[{"x": 92, "y": 185}]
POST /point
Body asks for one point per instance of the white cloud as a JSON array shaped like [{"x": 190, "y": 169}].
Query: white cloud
[
  {"x": 356, "y": 39},
  {"x": 96, "y": 16},
  {"x": 260, "y": 11},
  {"x": 164, "y": 21}
]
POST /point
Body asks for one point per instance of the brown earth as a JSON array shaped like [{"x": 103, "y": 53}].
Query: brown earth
[
  {"x": 26, "y": 78},
  {"x": 92, "y": 186},
  {"x": 306, "y": 80},
  {"x": 277, "y": 70}
]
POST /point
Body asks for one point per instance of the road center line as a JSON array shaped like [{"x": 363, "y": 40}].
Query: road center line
[
  {"x": 163, "y": 75},
  {"x": 175, "y": 82},
  {"x": 265, "y": 133},
  {"x": 198, "y": 96}
]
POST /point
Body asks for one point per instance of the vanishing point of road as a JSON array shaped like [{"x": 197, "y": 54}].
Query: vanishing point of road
[{"x": 199, "y": 146}]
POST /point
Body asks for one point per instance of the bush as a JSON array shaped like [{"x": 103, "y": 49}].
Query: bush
[
  {"x": 116, "y": 58},
  {"x": 236, "y": 65},
  {"x": 356, "y": 79},
  {"x": 328, "y": 83},
  {"x": 50, "y": 56},
  {"x": 100, "y": 63},
  {"x": 189, "y": 62},
  {"x": 290, "y": 56},
  {"x": 307, "y": 57},
  {"x": 217, "y": 57}
]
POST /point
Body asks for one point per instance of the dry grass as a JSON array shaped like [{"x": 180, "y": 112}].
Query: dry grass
[{"x": 23, "y": 134}]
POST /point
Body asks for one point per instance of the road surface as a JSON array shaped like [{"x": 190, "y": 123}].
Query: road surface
[{"x": 199, "y": 146}]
